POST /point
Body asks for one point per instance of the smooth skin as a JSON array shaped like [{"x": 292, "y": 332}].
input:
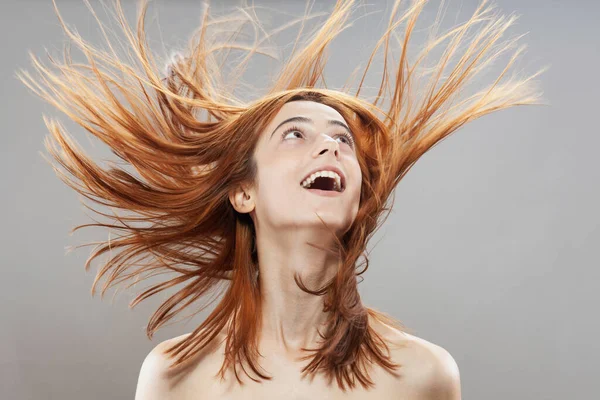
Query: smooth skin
[{"x": 284, "y": 217}]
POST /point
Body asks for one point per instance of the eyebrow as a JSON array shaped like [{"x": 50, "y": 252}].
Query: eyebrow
[{"x": 310, "y": 121}]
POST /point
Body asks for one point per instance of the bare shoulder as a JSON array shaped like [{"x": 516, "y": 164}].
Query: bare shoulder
[
  {"x": 430, "y": 371},
  {"x": 437, "y": 373},
  {"x": 156, "y": 379}
]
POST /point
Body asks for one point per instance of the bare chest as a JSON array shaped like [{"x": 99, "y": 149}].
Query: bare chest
[{"x": 288, "y": 383}]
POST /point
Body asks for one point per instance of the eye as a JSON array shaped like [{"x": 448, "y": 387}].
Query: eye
[
  {"x": 348, "y": 138},
  {"x": 290, "y": 130},
  {"x": 295, "y": 129}
]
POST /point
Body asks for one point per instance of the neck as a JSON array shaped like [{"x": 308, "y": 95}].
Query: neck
[{"x": 292, "y": 318}]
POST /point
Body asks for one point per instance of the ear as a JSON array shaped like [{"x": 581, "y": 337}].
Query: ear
[{"x": 242, "y": 199}]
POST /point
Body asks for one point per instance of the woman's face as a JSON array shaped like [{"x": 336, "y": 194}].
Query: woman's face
[{"x": 288, "y": 151}]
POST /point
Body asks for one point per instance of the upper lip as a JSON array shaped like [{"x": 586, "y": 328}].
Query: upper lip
[{"x": 329, "y": 168}]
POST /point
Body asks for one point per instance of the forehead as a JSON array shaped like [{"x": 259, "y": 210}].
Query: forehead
[{"x": 316, "y": 111}]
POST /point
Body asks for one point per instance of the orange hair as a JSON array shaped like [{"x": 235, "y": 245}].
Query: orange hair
[{"x": 190, "y": 140}]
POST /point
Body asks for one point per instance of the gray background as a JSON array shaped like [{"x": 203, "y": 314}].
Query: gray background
[{"x": 490, "y": 252}]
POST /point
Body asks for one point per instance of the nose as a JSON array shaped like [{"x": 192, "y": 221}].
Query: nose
[{"x": 328, "y": 144}]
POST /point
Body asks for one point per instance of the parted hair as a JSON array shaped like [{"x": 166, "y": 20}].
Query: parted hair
[{"x": 189, "y": 138}]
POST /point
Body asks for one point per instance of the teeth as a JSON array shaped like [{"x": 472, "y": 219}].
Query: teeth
[{"x": 330, "y": 174}]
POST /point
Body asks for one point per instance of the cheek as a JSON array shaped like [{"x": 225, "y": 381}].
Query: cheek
[
  {"x": 356, "y": 175},
  {"x": 357, "y": 188},
  {"x": 277, "y": 189}
]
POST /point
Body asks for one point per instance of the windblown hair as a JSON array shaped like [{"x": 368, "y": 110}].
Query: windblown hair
[{"x": 191, "y": 140}]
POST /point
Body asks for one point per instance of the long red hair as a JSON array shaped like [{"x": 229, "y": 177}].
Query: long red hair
[{"x": 190, "y": 140}]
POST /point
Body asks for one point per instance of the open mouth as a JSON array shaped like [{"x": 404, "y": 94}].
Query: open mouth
[{"x": 324, "y": 183}]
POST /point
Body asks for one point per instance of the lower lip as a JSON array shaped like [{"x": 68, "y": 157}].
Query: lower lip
[{"x": 326, "y": 193}]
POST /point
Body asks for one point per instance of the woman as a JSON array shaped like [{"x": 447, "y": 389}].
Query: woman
[{"x": 276, "y": 198}]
